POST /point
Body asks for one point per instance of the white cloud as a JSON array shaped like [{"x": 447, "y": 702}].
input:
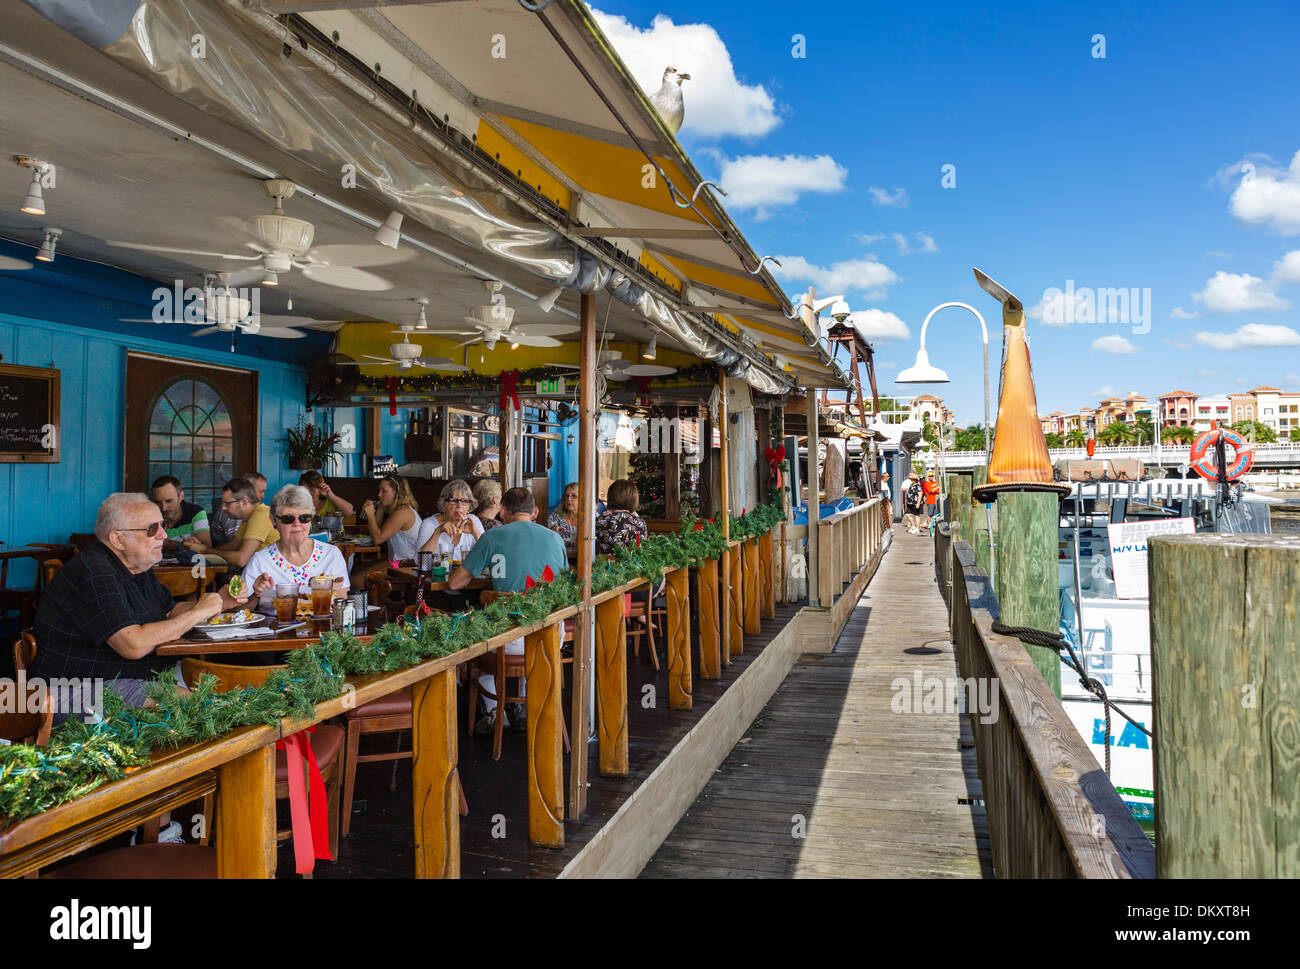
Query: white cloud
[
  {"x": 1250, "y": 337},
  {"x": 868, "y": 276},
  {"x": 759, "y": 182},
  {"x": 1051, "y": 309},
  {"x": 1115, "y": 344},
  {"x": 1105, "y": 390},
  {"x": 1206, "y": 372},
  {"x": 924, "y": 243},
  {"x": 717, "y": 102},
  {"x": 1238, "y": 293},
  {"x": 1267, "y": 195},
  {"x": 1178, "y": 313},
  {"x": 1291, "y": 378},
  {"x": 882, "y": 196},
  {"x": 865, "y": 239},
  {"x": 1220, "y": 254},
  {"x": 879, "y": 325},
  {"x": 1287, "y": 269}
]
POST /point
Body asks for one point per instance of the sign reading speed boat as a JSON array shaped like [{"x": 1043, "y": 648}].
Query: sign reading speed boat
[{"x": 1128, "y": 551}]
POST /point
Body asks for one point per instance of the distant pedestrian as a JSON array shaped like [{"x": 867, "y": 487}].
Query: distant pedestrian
[
  {"x": 931, "y": 489},
  {"x": 886, "y": 507},
  {"x": 913, "y": 503}
]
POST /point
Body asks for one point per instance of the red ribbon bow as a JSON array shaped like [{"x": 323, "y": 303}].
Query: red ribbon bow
[
  {"x": 774, "y": 458},
  {"x": 548, "y": 574},
  {"x": 391, "y": 384},
  {"x": 311, "y": 831},
  {"x": 642, "y": 385},
  {"x": 509, "y": 383},
  {"x": 528, "y": 582}
]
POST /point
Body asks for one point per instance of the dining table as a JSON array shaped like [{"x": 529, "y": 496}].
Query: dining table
[
  {"x": 441, "y": 585},
  {"x": 195, "y": 643}
]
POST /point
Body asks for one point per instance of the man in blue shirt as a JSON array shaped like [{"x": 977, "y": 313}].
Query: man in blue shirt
[{"x": 510, "y": 554}]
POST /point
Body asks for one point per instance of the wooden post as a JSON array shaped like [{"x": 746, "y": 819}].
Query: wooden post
[
  {"x": 545, "y": 736},
  {"x": 677, "y": 597},
  {"x": 435, "y": 784},
  {"x": 585, "y": 631},
  {"x": 753, "y": 580},
  {"x": 828, "y": 574},
  {"x": 814, "y": 504},
  {"x": 735, "y": 604},
  {"x": 611, "y": 686},
  {"x": 959, "y": 503},
  {"x": 724, "y": 513},
  {"x": 710, "y": 618},
  {"x": 505, "y": 445},
  {"x": 245, "y": 816},
  {"x": 767, "y": 582},
  {"x": 673, "y": 466},
  {"x": 1225, "y": 656},
  {"x": 1026, "y": 580}
]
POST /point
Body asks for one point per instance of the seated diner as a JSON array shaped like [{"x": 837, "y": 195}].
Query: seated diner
[
  {"x": 104, "y": 613},
  {"x": 296, "y": 557},
  {"x": 181, "y": 518},
  {"x": 453, "y": 531},
  {"x": 620, "y": 525},
  {"x": 564, "y": 516},
  {"x": 324, "y": 500},
  {"x": 239, "y": 500},
  {"x": 487, "y": 494},
  {"x": 394, "y": 519}
]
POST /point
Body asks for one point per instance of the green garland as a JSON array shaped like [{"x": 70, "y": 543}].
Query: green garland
[
  {"x": 469, "y": 380},
  {"x": 81, "y": 757}
]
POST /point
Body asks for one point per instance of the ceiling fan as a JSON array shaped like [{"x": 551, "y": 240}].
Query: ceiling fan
[
  {"x": 282, "y": 243},
  {"x": 406, "y": 355},
  {"x": 614, "y": 367},
  {"x": 493, "y": 323},
  {"x": 228, "y": 311}
]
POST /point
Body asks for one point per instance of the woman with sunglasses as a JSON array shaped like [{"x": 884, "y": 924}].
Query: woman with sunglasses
[
  {"x": 296, "y": 557},
  {"x": 454, "y": 530},
  {"x": 395, "y": 519}
]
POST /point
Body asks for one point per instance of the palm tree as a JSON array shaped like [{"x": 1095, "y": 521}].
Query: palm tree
[
  {"x": 1075, "y": 438},
  {"x": 1178, "y": 435},
  {"x": 1146, "y": 433},
  {"x": 1053, "y": 439},
  {"x": 1116, "y": 434}
]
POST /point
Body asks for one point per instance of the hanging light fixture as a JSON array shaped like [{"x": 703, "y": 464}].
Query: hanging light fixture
[
  {"x": 270, "y": 279},
  {"x": 546, "y": 302},
  {"x": 47, "y": 247},
  {"x": 34, "y": 202},
  {"x": 421, "y": 321},
  {"x": 650, "y": 350},
  {"x": 390, "y": 233}
]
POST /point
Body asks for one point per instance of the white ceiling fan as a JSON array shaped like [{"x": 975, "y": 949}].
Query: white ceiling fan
[
  {"x": 614, "y": 367},
  {"x": 228, "y": 311},
  {"x": 493, "y": 323},
  {"x": 282, "y": 243},
  {"x": 406, "y": 355}
]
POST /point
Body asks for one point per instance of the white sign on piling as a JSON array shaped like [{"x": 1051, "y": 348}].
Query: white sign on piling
[{"x": 1128, "y": 551}]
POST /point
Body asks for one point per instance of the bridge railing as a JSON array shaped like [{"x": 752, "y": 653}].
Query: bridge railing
[
  {"x": 1166, "y": 452},
  {"x": 1052, "y": 811}
]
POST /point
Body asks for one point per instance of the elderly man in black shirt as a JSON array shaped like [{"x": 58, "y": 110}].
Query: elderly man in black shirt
[{"x": 105, "y": 612}]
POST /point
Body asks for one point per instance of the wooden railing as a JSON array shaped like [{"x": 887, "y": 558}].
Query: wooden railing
[
  {"x": 845, "y": 542},
  {"x": 239, "y": 767},
  {"x": 1052, "y": 811}
]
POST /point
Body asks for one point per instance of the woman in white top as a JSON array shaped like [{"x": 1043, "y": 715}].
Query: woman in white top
[
  {"x": 454, "y": 530},
  {"x": 296, "y": 557},
  {"x": 395, "y": 520}
]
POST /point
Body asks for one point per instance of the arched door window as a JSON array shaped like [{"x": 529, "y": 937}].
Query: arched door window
[{"x": 192, "y": 437}]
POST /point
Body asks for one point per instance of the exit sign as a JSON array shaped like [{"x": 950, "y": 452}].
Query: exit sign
[{"x": 555, "y": 385}]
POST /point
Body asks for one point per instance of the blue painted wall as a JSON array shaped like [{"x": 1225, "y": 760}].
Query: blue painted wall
[{"x": 68, "y": 318}]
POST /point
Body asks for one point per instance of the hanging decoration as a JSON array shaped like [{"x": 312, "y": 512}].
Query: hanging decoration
[
  {"x": 509, "y": 388},
  {"x": 775, "y": 462},
  {"x": 391, "y": 384},
  {"x": 469, "y": 380}
]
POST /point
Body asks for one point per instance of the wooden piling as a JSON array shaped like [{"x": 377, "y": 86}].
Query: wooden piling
[
  {"x": 1025, "y": 562},
  {"x": 1226, "y": 683}
]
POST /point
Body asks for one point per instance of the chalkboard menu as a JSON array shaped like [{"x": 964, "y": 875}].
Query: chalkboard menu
[{"x": 29, "y": 414}]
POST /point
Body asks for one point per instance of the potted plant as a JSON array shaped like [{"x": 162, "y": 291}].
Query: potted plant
[{"x": 310, "y": 447}]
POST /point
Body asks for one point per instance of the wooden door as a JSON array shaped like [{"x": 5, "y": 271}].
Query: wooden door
[{"x": 193, "y": 420}]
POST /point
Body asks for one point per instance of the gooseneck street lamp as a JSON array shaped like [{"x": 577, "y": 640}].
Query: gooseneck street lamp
[{"x": 923, "y": 372}]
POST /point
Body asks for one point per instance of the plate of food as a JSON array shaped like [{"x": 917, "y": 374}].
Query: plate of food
[{"x": 232, "y": 620}]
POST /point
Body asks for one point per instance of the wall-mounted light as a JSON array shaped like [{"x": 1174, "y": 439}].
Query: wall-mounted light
[
  {"x": 390, "y": 233},
  {"x": 47, "y": 247},
  {"x": 546, "y": 302},
  {"x": 649, "y": 353},
  {"x": 34, "y": 203}
]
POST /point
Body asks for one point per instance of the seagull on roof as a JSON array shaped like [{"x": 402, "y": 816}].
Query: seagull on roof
[{"x": 668, "y": 99}]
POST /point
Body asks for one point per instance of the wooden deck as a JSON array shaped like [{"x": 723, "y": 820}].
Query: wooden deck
[{"x": 829, "y": 781}]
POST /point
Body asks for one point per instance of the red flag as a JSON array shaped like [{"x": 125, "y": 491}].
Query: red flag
[
  {"x": 528, "y": 582},
  {"x": 548, "y": 575}
]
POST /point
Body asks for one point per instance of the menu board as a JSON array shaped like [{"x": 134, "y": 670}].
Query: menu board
[{"x": 29, "y": 415}]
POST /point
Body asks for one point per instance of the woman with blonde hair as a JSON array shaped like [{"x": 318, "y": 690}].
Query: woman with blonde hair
[
  {"x": 564, "y": 516},
  {"x": 395, "y": 519},
  {"x": 487, "y": 495}
]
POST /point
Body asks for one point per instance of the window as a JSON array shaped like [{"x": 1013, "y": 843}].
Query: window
[
  {"x": 1238, "y": 413},
  {"x": 191, "y": 437},
  {"x": 1268, "y": 411}
]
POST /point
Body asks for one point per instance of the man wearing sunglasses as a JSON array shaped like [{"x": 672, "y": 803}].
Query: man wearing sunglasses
[
  {"x": 240, "y": 500},
  {"x": 105, "y": 612}
]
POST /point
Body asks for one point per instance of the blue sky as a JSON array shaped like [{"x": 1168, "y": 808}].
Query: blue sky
[{"x": 1122, "y": 171}]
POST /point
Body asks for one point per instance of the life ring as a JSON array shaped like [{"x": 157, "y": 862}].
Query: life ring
[{"x": 1203, "y": 458}]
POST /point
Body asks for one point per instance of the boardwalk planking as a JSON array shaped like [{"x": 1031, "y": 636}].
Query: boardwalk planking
[{"x": 878, "y": 791}]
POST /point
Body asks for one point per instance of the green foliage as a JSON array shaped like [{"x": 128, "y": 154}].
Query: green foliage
[
  {"x": 311, "y": 447},
  {"x": 1075, "y": 438},
  {"x": 1255, "y": 432},
  {"x": 1177, "y": 435},
  {"x": 970, "y": 438},
  {"x": 81, "y": 757},
  {"x": 1053, "y": 439}
]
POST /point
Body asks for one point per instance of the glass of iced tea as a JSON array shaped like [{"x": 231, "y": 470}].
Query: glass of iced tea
[
  {"x": 286, "y": 602},
  {"x": 322, "y": 594}
]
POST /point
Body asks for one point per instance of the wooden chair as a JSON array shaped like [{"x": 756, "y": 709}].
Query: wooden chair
[
  {"x": 326, "y": 742},
  {"x": 23, "y": 600},
  {"x": 642, "y": 610},
  {"x": 389, "y": 714},
  {"x": 505, "y": 668},
  {"x": 19, "y": 723},
  {"x": 378, "y": 589},
  {"x": 182, "y": 584},
  {"x": 24, "y": 650}
]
